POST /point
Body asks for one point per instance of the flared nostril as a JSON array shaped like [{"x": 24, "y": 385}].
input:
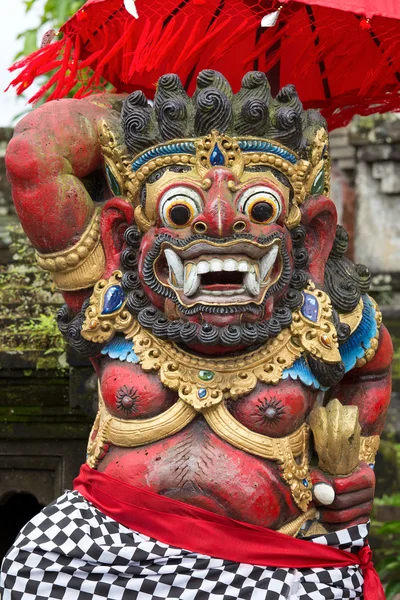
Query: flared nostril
[
  {"x": 200, "y": 227},
  {"x": 239, "y": 226}
]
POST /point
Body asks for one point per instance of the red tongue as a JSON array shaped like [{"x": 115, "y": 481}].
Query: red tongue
[
  {"x": 221, "y": 280},
  {"x": 221, "y": 287}
]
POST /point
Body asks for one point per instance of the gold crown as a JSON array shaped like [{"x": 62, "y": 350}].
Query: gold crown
[{"x": 307, "y": 177}]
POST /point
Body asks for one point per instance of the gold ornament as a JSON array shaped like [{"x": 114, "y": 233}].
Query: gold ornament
[
  {"x": 354, "y": 318},
  {"x": 320, "y": 163},
  {"x": 80, "y": 266},
  {"x": 227, "y": 146},
  {"x": 293, "y": 528},
  {"x": 131, "y": 433},
  {"x": 99, "y": 327},
  {"x": 203, "y": 382},
  {"x": 368, "y": 448},
  {"x": 336, "y": 431},
  {"x": 318, "y": 339},
  {"x": 116, "y": 159}
]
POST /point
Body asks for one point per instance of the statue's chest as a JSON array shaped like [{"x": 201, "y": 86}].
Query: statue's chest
[
  {"x": 274, "y": 410},
  {"x": 270, "y": 410}
]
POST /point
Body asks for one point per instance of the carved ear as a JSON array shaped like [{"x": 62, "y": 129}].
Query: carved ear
[
  {"x": 116, "y": 216},
  {"x": 319, "y": 217}
]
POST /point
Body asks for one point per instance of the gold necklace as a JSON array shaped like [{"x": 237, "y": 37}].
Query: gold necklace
[{"x": 202, "y": 382}]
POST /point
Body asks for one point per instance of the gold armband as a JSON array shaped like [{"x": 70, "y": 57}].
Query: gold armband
[{"x": 80, "y": 266}]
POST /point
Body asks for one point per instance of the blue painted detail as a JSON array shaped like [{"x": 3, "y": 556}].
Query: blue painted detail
[
  {"x": 350, "y": 351},
  {"x": 372, "y": 466},
  {"x": 310, "y": 308},
  {"x": 305, "y": 483},
  {"x": 216, "y": 157},
  {"x": 264, "y": 146},
  {"x": 121, "y": 349},
  {"x": 300, "y": 371},
  {"x": 361, "y": 339},
  {"x": 113, "y": 299},
  {"x": 113, "y": 183},
  {"x": 164, "y": 150},
  {"x": 202, "y": 393}
]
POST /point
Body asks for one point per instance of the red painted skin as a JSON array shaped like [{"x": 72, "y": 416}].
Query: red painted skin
[{"x": 53, "y": 150}]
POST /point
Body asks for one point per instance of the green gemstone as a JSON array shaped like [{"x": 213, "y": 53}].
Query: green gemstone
[
  {"x": 114, "y": 186},
  {"x": 206, "y": 375},
  {"x": 319, "y": 183}
]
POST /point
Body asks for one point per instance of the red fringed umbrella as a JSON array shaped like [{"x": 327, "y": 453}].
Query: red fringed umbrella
[{"x": 343, "y": 59}]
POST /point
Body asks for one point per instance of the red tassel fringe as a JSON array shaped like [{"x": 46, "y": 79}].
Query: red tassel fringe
[{"x": 363, "y": 75}]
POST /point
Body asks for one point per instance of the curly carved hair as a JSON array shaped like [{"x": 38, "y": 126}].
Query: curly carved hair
[{"x": 250, "y": 112}]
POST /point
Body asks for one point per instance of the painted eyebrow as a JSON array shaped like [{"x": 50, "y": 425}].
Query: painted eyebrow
[{"x": 156, "y": 175}]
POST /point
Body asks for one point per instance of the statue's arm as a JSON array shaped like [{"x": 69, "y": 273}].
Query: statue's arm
[
  {"x": 368, "y": 388},
  {"x": 54, "y": 149}
]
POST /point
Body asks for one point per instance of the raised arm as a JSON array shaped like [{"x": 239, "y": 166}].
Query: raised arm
[{"x": 51, "y": 163}]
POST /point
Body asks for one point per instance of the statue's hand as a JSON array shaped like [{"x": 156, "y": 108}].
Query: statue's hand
[{"x": 344, "y": 501}]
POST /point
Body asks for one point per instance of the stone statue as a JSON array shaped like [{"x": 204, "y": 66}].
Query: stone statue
[{"x": 244, "y": 373}]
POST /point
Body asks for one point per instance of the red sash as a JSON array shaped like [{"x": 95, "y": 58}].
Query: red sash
[{"x": 184, "y": 526}]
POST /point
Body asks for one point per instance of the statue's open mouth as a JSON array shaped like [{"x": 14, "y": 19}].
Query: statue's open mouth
[{"x": 236, "y": 272}]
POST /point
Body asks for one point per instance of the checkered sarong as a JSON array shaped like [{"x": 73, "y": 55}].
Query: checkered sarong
[{"x": 72, "y": 551}]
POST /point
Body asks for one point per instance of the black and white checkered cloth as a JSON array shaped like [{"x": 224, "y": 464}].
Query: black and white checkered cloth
[{"x": 72, "y": 551}]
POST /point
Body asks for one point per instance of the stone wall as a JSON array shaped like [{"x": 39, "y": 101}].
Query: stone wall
[
  {"x": 7, "y": 211},
  {"x": 43, "y": 429},
  {"x": 377, "y": 240}
]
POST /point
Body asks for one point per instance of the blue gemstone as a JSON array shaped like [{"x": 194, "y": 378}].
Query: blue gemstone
[
  {"x": 305, "y": 483},
  {"x": 113, "y": 299},
  {"x": 310, "y": 308},
  {"x": 202, "y": 393},
  {"x": 217, "y": 158}
]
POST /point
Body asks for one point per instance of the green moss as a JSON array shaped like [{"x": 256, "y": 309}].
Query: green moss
[
  {"x": 396, "y": 357},
  {"x": 28, "y": 305}
]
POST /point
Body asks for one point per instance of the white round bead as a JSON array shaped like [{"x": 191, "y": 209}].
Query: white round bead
[{"x": 324, "y": 493}]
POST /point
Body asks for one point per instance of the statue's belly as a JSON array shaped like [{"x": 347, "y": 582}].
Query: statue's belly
[{"x": 197, "y": 467}]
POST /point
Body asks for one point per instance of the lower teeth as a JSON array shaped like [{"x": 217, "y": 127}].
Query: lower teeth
[{"x": 223, "y": 293}]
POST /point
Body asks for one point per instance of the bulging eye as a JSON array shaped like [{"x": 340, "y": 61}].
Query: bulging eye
[
  {"x": 179, "y": 206},
  {"x": 261, "y": 203}
]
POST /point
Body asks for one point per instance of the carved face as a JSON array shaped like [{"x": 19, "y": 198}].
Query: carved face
[
  {"x": 219, "y": 251},
  {"x": 216, "y": 257}
]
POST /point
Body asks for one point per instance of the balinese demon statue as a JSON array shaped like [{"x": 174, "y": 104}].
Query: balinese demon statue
[{"x": 244, "y": 374}]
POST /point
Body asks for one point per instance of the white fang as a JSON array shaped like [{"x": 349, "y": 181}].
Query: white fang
[
  {"x": 252, "y": 284},
  {"x": 267, "y": 262},
  {"x": 175, "y": 266},
  {"x": 192, "y": 280}
]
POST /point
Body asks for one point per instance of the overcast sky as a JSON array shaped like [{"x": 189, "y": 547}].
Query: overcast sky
[{"x": 13, "y": 21}]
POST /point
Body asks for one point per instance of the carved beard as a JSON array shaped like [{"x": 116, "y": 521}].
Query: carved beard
[{"x": 187, "y": 332}]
